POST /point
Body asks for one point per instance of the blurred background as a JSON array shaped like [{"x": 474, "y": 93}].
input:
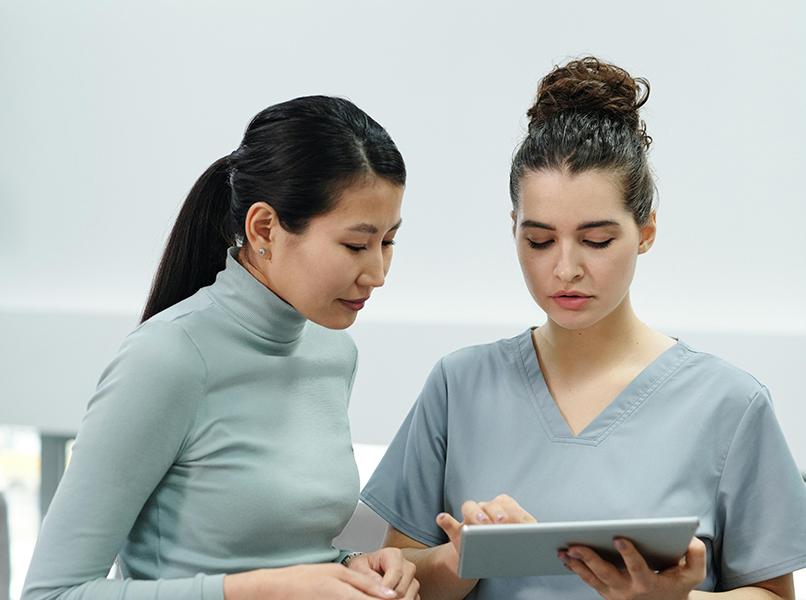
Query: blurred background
[{"x": 110, "y": 110}]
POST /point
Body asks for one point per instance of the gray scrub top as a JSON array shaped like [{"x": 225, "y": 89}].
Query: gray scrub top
[{"x": 690, "y": 435}]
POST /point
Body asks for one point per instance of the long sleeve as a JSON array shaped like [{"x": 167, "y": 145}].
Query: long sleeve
[
  {"x": 135, "y": 427},
  {"x": 217, "y": 442}
]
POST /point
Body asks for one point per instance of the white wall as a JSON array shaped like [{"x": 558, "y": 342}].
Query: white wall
[
  {"x": 52, "y": 363},
  {"x": 110, "y": 110}
]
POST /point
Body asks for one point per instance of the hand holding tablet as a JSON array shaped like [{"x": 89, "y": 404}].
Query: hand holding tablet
[{"x": 530, "y": 549}]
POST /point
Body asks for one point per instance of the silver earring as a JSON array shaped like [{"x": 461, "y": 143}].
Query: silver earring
[{"x": 261, "y": 252}]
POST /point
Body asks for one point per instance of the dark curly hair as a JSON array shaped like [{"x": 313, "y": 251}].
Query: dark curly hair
[{"x": 585, "y": 117}]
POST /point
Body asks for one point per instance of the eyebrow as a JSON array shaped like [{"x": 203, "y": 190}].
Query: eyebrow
[
  {"x": 370, "y": 228},
  {"x": 581, "y": 227}
]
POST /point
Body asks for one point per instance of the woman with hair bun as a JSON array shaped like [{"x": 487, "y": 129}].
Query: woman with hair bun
[
  {"x": 215, "y": 459},
  {"x": 592, "y": 415}
]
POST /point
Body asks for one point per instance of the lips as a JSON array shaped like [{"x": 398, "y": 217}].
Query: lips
[
  {"x": 355, "y": 305},
  {"x": 571, "y": 300}
]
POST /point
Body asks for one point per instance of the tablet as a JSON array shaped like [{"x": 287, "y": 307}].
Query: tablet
[{"x": 514, "y": 550}]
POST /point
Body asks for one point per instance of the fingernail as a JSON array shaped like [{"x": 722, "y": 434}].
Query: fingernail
[
  {"x": 441, "y": 516},
  {"x": 574, "y": 554},
  {"x": 388, "y": 593},
  {"x": 563, "y": 557},
  {"x": 619, "y": 543},
  {"x": 481, "y": 517},
  {"x": 499, "y": 517}
]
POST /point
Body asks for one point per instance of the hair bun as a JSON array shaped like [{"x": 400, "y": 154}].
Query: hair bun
[{"x": 588, "y": 85}]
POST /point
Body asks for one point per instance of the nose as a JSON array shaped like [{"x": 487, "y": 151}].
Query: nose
[
  {"x": 374, "y": 270},
  {"x": 569, "y": 264}
]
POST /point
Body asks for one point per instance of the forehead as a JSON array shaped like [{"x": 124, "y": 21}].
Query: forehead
[
  {"x": 559, "y": 197},
  {"x": 369, "y": 203}
]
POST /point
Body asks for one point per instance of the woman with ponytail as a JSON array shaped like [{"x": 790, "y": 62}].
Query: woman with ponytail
[
  {"x": 592, "y": 415},
  {"x": 215, "y": 459}
]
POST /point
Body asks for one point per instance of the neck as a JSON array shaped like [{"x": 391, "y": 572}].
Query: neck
[
  {"x": 247, "y": 262},
  {"x": 604, "y": 344}
]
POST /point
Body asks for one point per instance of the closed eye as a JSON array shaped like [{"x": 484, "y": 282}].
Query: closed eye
[
  {"x": 384, "y": 243},
  {"x": 589, "y": 243},
  {"x": 603, "y": 244}
]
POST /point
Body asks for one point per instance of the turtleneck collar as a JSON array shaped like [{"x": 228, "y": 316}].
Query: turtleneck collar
[{"x": 253, "y": 305}]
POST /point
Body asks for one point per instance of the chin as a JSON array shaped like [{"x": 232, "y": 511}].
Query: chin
[
  {"x": 573, "y": 322},
  {"x": 336, "y": 322}
]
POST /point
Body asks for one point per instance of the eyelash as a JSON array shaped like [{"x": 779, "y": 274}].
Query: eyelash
[
  {"x": 595, "y": 245},
  {"x": 385, "y": 243}
]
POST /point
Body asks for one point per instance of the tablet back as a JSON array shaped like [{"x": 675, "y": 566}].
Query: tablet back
[{"x": 515, "y": 550}]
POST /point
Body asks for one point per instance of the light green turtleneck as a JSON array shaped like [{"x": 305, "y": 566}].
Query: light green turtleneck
[{"x": 217, "y": 442}]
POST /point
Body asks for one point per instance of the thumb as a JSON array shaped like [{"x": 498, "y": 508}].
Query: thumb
[
  {"x": 695, "y": 558},
  {"x": 450, "y": 526}
]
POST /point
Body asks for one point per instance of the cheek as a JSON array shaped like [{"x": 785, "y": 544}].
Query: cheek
[
  {"x": 533, "y": 269},
  {"x": 525, "y": 259},
  {"x": 313, "y": 273},
  {"x": 620, "y": 270},
  {"x": 334, "y": 274}
]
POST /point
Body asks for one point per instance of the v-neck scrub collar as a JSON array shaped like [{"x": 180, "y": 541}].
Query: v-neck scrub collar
[{"x": 630, "y": 399}]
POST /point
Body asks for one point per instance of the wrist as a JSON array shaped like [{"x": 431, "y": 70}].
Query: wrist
[
  {"x": 437, "y": 572},
  {"x": 446, "y": 558},
  {"x": 349, "y": 558},
  {"x": 249, "y": 584},
  {"x": 234, "y": 586}
]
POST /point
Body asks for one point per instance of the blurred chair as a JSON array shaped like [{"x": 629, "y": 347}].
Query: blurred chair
[
  {"x": 364, "y": 532},
  {"x": 5, "y": 550}
]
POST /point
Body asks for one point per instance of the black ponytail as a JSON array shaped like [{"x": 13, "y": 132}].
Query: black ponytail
[
  {"x": 197, "y": 247},
  {"x": 297, "y": 156}
]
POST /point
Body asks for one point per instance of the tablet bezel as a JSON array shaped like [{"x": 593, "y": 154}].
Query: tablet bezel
[{"x": 529, "y": 549}]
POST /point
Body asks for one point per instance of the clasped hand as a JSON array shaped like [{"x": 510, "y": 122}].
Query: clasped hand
[
  {"x": 395, "y": 572},
  {"x": 383, "y": 574}
]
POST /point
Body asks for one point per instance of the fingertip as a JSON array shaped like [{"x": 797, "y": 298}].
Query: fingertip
[
  {"x": 448, "y": 524},
  {"x": 444, "y": 520}
]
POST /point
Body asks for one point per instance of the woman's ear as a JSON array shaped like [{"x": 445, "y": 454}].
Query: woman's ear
[
  {"x": 261, "y": 227},
  {"x": 648, "y": 232}
]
